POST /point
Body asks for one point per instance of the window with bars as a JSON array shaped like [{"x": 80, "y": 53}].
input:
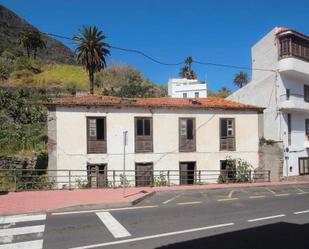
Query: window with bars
[
  {"x": 96, "y": 135},
  {"x": 227, "y": 134},
  {"x": 143, "y": 134}
]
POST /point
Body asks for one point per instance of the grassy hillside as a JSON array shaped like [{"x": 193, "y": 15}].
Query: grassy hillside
[{"x": 64, "y": 75}]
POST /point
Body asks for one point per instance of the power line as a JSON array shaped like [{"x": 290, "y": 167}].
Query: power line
[
  {"x": 232, "y": 66},
  {"x": 157, "y": 61},
  {"x": 123, "y": 49}
]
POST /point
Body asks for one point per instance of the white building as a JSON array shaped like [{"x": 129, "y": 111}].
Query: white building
[
  {"x": 179, "y": 135},
  {"x": 282, "y": 87},
  {"x": 186, "y": 88}
]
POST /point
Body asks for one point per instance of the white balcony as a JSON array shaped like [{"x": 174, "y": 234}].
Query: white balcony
[
  {"x": 295, "y": 102},
  {"x": 294, "y": 67}
]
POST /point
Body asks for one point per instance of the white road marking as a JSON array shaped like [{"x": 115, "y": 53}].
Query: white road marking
[
  {"x": 103, "y": 210},
  {"x": 21, "y": 218},
  {"x": 34, "y": 244},
  {"x": 267, "y": 218},
  {"x": 303, "y": 193},
  {"x": 154, "y": 236},
  {"x": 173, "y": 198},
  {"x": 256, "y": 196},
  {"x": 271, "y": 191},
  {"x": 301, "y": 212},
  {"x": 228, "y": 199},
  {"x": 188, "y": 203},
  {"x": 22, "y": 230},
  {"x": 282, "y": 194},
  {"x": 117, "y": 230},
  {"x": 230, "y": 194}
]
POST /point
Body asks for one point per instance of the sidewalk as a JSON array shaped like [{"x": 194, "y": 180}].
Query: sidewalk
[{"x": 43, "y": 201}]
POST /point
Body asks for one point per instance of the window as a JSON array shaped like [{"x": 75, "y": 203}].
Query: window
[
  {"x": 184, "y": 95},
  {"x": 228, "y": 170},
  {"x": 97, "y": 175},
  {"x": 289, "y": 116},
  {"x": 96, "y": 135},
  {"x": 186, "y": 134},
  {"x": 143, "y": 174},
  {"x": 284, "y": 47},
  {"x": 288, "y": 93},
  {"x": 227, "y": 134},
  {"x": 306, "y": 93},
  {"x": 197, "y": 94},
  {"x": 143, "y": 134},
  {"x": 303, "y": 166},
  {"x": 307, "y": 127}
]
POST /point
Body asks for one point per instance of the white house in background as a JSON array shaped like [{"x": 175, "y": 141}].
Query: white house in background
[
  {"x": 186, "y": 88},
  {"x": 178, "y": 135},
  {"x": 283, "y": 88}
]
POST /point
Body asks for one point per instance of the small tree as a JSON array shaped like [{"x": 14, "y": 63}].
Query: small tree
[
  {"x": 241, "y": 79},
  {"x": 186, "y": 71}
]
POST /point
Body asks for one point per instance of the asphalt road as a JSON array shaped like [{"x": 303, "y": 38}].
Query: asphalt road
[{"x": 251, "y": 218}]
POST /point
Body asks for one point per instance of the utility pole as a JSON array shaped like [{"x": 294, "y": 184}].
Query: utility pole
[{"x": 125, "y": 142}]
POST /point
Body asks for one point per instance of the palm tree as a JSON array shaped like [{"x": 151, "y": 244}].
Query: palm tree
[
  {"x": 31, "y": 40},
  {"x": 25, "y": 40},
  {"x": 37, "y": 42},
  {"x": 91, "y": 51},
  {"x": 186, "y": 71},
  {"x": 241, "y": 79}
]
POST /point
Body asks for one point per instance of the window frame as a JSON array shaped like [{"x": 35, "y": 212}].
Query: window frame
[
  {"x": 233, "y": 136},
  {"x": 143, "y": 138},
  {"x": 182, "y": 148},
  {"x": 303, "y": 159},
  {"x": 102, "y": 142},
  {"x": 306, "y": 93}
]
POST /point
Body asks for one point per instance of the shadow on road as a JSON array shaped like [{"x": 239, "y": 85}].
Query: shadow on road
[{"x": 275, "y": 236}]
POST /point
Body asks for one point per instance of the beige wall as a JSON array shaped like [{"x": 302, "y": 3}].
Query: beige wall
[{"x": 72, "y": 146}]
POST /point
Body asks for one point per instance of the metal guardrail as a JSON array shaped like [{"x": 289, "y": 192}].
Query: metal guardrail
[{"x": 38, "y": 179}]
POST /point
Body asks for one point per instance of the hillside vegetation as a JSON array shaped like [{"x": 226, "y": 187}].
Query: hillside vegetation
[{"x": 10, "y": 27}]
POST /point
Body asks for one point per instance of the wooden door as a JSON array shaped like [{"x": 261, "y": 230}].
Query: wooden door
[
  {"x": 144, "y": 174},
  {"x": 97, "y": 175},
  {"x": 187, "y": 173}
]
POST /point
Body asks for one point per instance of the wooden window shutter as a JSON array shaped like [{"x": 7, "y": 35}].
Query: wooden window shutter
[
  {"x": 96, "y": 135},
  {"x": 143, "y": 134},
  {"x": 187, "y": 138},
  {"x": 227, "y": 134}
]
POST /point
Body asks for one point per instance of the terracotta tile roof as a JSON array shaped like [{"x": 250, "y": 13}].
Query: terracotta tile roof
[
  {"x": 164, "y": 102},
  {"x": 281, "y": 30}
]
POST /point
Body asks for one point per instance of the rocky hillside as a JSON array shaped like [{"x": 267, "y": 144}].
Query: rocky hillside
[{"x": 11, "y": 25}]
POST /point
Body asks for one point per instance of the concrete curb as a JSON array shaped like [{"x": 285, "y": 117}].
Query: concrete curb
[
  {"x": 248, "y": 185},
  {"x": 103, "y": 205}
]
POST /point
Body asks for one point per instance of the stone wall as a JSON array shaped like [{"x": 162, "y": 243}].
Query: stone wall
[
  {"x": 271, "y": 158},
  {"x": 18, "y": 162}
]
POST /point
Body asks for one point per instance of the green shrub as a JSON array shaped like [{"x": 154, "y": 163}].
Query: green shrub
[
  {"x": 221, "y": 179},
  {"x": 82, "y": 183},
  {"x": 160, "y": 180}
]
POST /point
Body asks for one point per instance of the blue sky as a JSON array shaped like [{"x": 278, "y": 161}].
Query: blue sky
[{"x": 170, "y": 30}]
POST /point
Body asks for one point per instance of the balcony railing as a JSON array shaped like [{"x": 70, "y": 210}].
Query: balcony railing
[
  {"x": 293, "y": 97},
  {"x": 36, "y": 179},
  {"x": 292, "y": 47}
]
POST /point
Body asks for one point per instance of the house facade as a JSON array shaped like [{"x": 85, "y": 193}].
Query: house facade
[
  {"x": 187, "y": 88},
  {"x": 280, "y": 83},
  {"x": 182, "y": 136}
]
